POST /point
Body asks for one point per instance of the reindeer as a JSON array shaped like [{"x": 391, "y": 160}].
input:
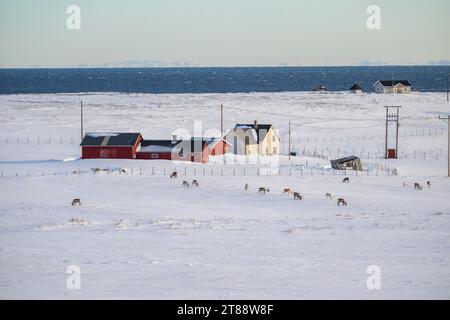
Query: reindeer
[
  {"x": 428, "y": 184},
  {"x": 417, "y": 186},
  {"x": 174, "y": 175},
  {"x": 263, "y": 190},
  {"x": 328, "y": 196},
  {"x": 185, "y": 184},
  {"x": 405, "y": 184},
  {"x": 194, "y": 183},
  {"x": 246, "y": 187},
  {"x": 346, "y": 180},
  {"x": 297, "y": 196},
  {"x": 76, "y": 201},
  {"x": 288, "y": 191},
  {"x": 341, "y": 200}
]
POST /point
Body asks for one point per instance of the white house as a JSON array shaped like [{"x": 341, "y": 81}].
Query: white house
[
  {"x": 254, "y": 139},
  {"x": 392, "y": 86}
]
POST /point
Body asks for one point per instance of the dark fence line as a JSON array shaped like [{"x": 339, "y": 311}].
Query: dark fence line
[{"x": 197, "y": 172}]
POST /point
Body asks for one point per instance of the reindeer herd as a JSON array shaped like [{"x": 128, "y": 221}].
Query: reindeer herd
[
  {"x": 285, "y": 191},
  {"x": 416, "y": 185},
  {"x": 297, "y": 195},
  {"x": 265, "y": 190}
]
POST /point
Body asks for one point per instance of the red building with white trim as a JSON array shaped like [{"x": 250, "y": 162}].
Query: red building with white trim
[
  {"x": 110, "y": 145},
  {"x": 194, "y": 149}
]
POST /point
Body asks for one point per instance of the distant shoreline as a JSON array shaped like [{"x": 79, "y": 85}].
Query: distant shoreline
[
  {"x": 174, "y": 80},
  {"x": 225, "y": 67}
]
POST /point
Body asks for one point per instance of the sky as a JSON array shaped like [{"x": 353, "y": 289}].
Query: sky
[{"x": 223, "y": 33}]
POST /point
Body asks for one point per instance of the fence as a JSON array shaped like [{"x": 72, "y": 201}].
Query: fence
[
  {"x": 211, "y": 172},
  {"x": 326, "y": 148}
]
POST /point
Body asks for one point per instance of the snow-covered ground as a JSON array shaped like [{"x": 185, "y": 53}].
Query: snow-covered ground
[{"x": 139, "y": 234}]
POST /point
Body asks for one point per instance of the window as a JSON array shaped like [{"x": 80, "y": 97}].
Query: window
[
  {"x": 273, "y": 138},
  {"x": 155, "y": 156},
  {"x": 274, "y": 149}
]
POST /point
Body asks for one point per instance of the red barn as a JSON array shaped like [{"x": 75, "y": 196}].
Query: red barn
[{"x": 110, "y": 145}]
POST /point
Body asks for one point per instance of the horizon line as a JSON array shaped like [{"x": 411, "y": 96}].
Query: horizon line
[{"x": 224, "y": 67}]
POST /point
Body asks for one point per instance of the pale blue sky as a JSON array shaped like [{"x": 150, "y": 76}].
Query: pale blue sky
[{"x": 222, "y": 33}]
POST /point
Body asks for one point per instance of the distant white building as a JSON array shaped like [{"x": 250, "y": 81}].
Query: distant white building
[{"x": 392, "y": 86}]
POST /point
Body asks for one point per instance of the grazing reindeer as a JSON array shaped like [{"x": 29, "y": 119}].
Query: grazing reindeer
[
  {"x": 194, "y": 183},
  {"x": 174, "y": 175},
  {"x": 428, "y": 184},
  {"x": 76, "y": 202},
  {"x": 246, "y": 187},
  {"x": 185, "y": 184},
  {"x": 328, "y": 196},
  {"x": 297, "y": 196},
  {"x": 417, "y": 186},
  {"x": 341, "y": 200},
  {"x": 263, "y": 190},
  {"x": 405, "y": 184},
  {"x": 346, "y": 180},
  {"x": 288, "y": 191}
]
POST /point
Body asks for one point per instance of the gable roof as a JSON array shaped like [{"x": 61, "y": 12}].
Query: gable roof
[
  {"x": 116, "y": 139},
  {"x": 390, "y": 83},
  {"x": 261, "y": 130},
  {"x": 161, "y": 143},
  {"x": 355, "y": 87},
  {"x": 344, "y": 160},
  {"x": 158, "y": 145},
  {"x": 168, "y": 145},
  {"x": 213, "y": 141}
]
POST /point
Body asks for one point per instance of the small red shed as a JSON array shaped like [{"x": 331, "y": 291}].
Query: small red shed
[
  {"x": 392, "y": 154},
  {"x": 158, "y": 150},
  {"x": 218, "y": 146},
  {"x": 195, "y": 149},
  {"x": 110, "y": 145}
]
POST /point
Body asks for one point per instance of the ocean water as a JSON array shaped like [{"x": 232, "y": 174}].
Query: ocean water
[{"x": 215, "y": 80}]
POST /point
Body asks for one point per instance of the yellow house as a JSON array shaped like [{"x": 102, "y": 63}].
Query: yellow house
[{"x": 254, "y": 139}]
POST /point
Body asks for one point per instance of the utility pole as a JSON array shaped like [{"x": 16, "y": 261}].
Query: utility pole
[
  {"x": 81, "y": 114},
  {"x": 448, "y": 136},
  {"x": 222, "y": 134},
  {"x": 448, "y": 73},
  {"x": 289, "y": 140},
  {"x": 392, "y": 117},
  {"x": 221, "y": 120}
]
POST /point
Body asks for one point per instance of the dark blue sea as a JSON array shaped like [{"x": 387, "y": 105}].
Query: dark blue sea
[{"x": 211, "y": 80}]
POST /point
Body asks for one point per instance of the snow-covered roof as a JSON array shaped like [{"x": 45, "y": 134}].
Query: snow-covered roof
[
  {"x": 213, "y": 141},
  {"x": 102, "y": 134},
  {"x": 116, "y": 139},
  {"x": 259, "y": 132},
  {"x": 390, "y": 83},
  {"x": 156, "y": 148}
]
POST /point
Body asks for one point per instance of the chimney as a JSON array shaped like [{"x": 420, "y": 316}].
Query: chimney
[
  {"x": 174, "y": 137},
  {"x": 256, "y": 124}
]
